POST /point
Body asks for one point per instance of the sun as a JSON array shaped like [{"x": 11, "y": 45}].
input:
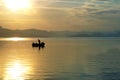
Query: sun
[{"x": 16, "y": 5}]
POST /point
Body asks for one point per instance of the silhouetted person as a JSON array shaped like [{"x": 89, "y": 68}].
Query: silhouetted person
[{"x": 39, "y": 41}]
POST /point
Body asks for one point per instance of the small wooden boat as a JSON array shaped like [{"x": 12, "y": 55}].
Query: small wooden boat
[{"x": 42, "y": 44}]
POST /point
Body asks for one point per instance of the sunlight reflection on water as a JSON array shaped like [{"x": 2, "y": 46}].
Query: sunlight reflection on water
[
  {"x": 61, "y": 59},
  {"x": 15, "y": 39},
  {"x": 16, "y": 70}
]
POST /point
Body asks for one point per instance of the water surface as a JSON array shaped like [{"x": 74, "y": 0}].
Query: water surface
[{"x": 61, "y": 59}]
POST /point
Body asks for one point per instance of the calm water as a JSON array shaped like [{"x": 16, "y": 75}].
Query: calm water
[{"x": 61, "y": 59}]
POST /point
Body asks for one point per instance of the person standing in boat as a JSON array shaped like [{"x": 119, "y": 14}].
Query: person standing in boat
[{"x": 39, "y": 41}]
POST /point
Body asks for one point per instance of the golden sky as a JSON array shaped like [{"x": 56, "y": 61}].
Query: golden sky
[{"x": 73, "y": 15}]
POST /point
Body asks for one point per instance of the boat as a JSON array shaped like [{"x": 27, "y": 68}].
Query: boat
[{"x": 39, "y": 44}]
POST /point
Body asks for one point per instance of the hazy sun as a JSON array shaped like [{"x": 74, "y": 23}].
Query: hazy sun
[{"x": 15, "y": 5}]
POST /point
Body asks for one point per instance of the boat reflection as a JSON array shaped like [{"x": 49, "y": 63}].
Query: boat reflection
[{"x": 16, "y": 71}]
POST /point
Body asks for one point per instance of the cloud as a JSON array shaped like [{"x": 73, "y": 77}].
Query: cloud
[
  {"x": 76, "y": 15},
  {"x": 108, "y": 12}
]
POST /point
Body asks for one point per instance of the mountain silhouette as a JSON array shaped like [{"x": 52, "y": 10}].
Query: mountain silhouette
[{"x": 4, "y": 32}]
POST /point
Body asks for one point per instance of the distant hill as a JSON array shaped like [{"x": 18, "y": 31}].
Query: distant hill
[{"x": 4, "y": 32}]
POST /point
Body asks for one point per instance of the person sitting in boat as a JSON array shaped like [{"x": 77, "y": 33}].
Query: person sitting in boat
[{"x": 39, "y": 41}]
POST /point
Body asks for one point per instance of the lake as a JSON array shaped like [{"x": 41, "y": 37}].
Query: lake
[{"x": 60, "y": 59}]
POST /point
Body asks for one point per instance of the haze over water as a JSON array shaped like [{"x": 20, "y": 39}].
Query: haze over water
[{"x": 61, "y": 59}]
